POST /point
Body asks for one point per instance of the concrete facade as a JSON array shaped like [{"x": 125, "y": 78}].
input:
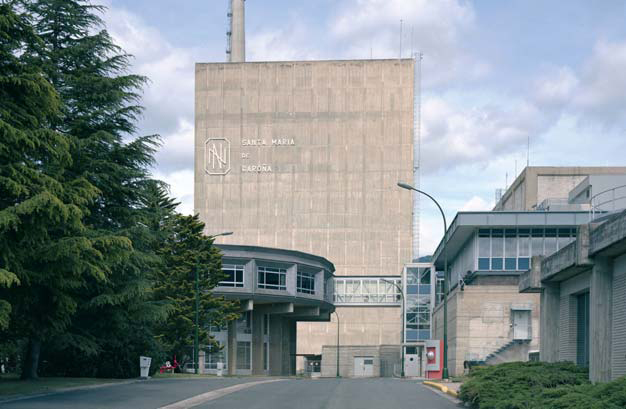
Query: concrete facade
[
  {"x": 386, "y": 360},
  {"x": 480, "y": 323},
  {"x": 592, "y": 268},
  {"x": 263, "y": 340},
  {"x": 550, "y": 185},
  {"x": 306, "y": 156}
]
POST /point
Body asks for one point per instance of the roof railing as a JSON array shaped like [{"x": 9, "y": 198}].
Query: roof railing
[{"x": 607, "y": 201}]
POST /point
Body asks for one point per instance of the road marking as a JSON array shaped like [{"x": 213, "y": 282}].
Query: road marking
[{"x": 205, "y": 397}]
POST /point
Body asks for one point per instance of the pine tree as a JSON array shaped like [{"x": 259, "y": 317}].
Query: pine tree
[
  {"x": 45, "y": 253},
  {"x": 186, "y": 249}
]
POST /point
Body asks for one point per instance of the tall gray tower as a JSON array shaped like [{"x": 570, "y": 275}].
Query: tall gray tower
[{"x": 236, "y": 49}]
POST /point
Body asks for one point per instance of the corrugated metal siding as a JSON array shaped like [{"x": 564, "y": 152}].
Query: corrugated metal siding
[
  {"x": 618, "y": 353},
  {"x": 567, "y": 329}
]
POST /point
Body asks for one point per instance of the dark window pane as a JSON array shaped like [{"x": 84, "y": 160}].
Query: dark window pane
[
  {"x": 510, "y": 263},
  {"x": 483, "y": 264},
  {"x": 523, "y": 263},
  {"x": 496, "y": 264}
]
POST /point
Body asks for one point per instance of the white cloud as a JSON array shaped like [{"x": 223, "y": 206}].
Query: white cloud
[
  {"x": 602, "y": 92},
  {"x": 181, "y": 187},
  {"x": 476, "y": 204},
  {"x": 556, "y": 86},
  {"x": 456, "y": 134},
  {"x": 437, "y": 28}
]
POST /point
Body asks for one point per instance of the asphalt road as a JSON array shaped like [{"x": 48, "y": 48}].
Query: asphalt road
[{"x": 287, "y": 394}]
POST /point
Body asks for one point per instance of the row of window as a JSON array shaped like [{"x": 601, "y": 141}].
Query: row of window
[
  {"x": 367, "y": 290},
  {"x": 268, "y": 277},
  {"x": 511, "y": 249}
]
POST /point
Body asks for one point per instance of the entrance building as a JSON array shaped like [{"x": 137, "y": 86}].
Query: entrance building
[{"x": 276, "y": 289}]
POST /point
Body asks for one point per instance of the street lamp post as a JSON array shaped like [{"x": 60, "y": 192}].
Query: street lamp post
[
  {"x": 196, "y": 346},
  {"x": 403, "y": 324},
  {"x": 445, "y": 275}
]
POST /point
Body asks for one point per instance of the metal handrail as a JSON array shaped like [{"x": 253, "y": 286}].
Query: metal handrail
[{"x": 597, "y": 207}]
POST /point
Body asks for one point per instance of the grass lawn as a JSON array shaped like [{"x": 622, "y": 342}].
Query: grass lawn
[{"x": 12, "y": 385}]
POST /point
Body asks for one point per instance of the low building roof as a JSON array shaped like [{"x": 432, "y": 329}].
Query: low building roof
[{"x": 465, "y": 223}]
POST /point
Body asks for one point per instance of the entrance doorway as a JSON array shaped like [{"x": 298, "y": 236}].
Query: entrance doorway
[
  {"x": 521, "y": 324},
  {"x": 412, "y": 361},
  {"x": 363, "y": 366}
]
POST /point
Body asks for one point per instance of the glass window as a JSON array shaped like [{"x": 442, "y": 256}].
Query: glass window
[
  {"x": 266, "y": 351},
  {"x": 214, "y": 355},
  {"x": 550, "y": 242},
  {"x": 483, "y": 264},
  {"x": 496, "y": 264},
  {"x": 306, "y": 283},
  {"x": 510, "y": 263},
  {"x": 272, "y": 278},
  {"x": 523, "y": 243},
  {"x": 425, "y": 276},
  {"x": 497, "y": 243},
  {"x": 563, "y": 238},
  {"x": 523, "y": 263},
  {"x": 368, "y": 290},
  {"x": 244, "y": 323},
  {"x": 537, "y": 242},
  {"x": 243, "y": 355},
  {"x": 484, "y": 244},
  {"x": 234, "y": 275}
]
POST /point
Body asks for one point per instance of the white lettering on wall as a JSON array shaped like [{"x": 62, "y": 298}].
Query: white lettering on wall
[{"x": 261, "y": 168}]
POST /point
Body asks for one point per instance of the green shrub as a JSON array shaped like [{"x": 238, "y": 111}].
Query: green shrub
[
  {"x": 611, "y": 395},
  {"x": 518, "y": 385}
]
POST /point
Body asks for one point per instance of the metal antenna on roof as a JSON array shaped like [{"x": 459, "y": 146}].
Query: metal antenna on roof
[{"x": 528, "y": 152}]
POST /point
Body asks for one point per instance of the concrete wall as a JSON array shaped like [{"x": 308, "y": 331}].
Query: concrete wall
[
  {"x": 346, "y": 359},
  {"x": 535, "y": 184},
  {"x": 358, "y": 326},
  {"x": 479, "y": 322},
  {"x": 306, "y": 156}
]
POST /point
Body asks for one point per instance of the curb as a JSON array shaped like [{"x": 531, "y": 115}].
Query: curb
[{"x": 442, "y": 388}]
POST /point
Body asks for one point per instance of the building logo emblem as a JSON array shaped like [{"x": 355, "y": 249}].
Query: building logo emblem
[{"x": 217, "y": 156}]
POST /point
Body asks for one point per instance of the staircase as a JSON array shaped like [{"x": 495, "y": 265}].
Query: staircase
[{"x": 515, "y": 350}]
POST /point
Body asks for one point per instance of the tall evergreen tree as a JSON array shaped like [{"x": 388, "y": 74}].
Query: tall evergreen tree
[
  {"x": 43, "y": 242},
  {"x": 184, "y": 251}
]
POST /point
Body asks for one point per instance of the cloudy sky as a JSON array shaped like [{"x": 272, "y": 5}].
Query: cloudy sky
[{"x": 495, "y": 73}]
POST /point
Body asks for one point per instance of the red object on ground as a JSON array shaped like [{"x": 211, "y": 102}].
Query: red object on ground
[{"x": 170, "y": 367}]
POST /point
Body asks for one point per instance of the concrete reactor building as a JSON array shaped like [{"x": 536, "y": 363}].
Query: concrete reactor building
[{"x": 305, "y": 156}]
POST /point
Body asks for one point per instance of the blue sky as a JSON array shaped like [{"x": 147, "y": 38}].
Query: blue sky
[{"x": 495, "y": 73}]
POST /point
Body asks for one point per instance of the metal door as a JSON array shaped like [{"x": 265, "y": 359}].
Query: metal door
[
  {"x": 521, "y": 324},
  {"x": 412, "y": 364},
  {"x": 363, "y": 366}
]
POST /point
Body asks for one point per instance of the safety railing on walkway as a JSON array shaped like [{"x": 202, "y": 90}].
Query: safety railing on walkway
[{"x": 607, "y": 201}]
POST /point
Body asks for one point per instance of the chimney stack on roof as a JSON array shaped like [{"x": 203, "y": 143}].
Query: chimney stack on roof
[{"x": 237, "y": 49}]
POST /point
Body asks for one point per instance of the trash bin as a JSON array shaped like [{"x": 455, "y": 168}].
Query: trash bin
[
  {"x": 220, "y": 369},
  {"x": 144, "y": 366}
]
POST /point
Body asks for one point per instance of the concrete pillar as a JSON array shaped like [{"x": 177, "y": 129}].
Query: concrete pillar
[
  {"x": 276, "y": 334},
  {"x": 289, "y": 346},
  {"x": 201, "y": 355},
  {"x": 600, "y": 297},
  {"x": 257, "y": 342},
  {"x": 549, "y": 322},
  {"x": 232, "y": 347}
]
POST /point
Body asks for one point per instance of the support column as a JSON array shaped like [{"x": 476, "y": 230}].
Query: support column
[
  {"x": 600, "y": 297},
  {"x": 257, "y": 342},
  {"x": 549, "y": 322},
  {"x": 276, "y": 335},
  {"x": 232, "y": 347},
  {"x": 289, "y": 346}
]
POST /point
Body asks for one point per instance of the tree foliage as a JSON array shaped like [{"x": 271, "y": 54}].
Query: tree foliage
[
  {"x": 186, "y": 251},
  {"x": 84, "y": 229}
]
